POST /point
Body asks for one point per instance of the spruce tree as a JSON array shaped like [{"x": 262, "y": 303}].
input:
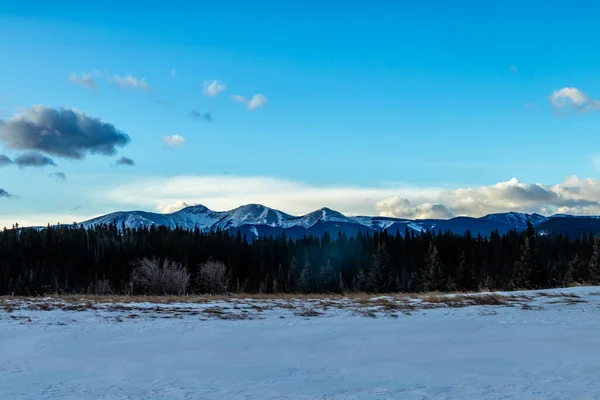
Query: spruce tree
[
  {"x": 466, "y": 274},
  {"x": 306, "y": 282},
  {"x": 360, "y": 281},
  {"x": 572, "y": 274},
  {"x": 327, "y": 278},
  {"x": 594, "y": 264},
  {"x": 377, "y": 278},
  {"x": 342, "y": 287},
  {"x": 434, "y": 275},
  {"x": 523, "y": 270},
  {"x": 293, "y": 276}
]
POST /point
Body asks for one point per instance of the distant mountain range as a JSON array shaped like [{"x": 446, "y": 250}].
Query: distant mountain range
[{"x": 255, "y": 220}]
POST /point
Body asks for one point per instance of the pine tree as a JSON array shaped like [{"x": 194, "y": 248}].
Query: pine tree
[
  {"x": 376, "y": 279},
  {"x": 466, "y": 274},
  {"x": 434, "y": 275},
  {"x": 327, "y": 278},
  {"x": 293, "y": 276},
  {"x": 527, "y": 271},
  {"x": 572, "y": 273},
  {"x": 594, "y": 265},
  {"x": 342, "y": 287},
  {"x": 524, "y": 266},
  {"x": 278, "y": 280},
  {"x": 306, "y": 283},
  {"x": 360, "y": 281}
]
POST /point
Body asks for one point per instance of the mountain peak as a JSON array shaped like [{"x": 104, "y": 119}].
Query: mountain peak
[
  {"x": 328, "y": 210},
  {"x": 323, "y": 214},
  {"x": 252, "y": 207},
  {"x": 252, "y": 214},
  {"x": 197, "y": 208}
]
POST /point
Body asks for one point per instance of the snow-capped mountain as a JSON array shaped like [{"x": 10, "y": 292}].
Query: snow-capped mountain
[
  {"x": 322, "y": 215},
  {"x": 518, "y": 220},
  {"x": 256, "y": 220},
  {"x": 250, "y": 214}
]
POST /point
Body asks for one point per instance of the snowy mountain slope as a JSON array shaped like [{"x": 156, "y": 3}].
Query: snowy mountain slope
[
  {"x": 251, "y": 214},
  {"x": 255, "y": 220},
  {"x": 322, "y": 215},
  {"x": 380, "y": 223},
  {"x": 518, "y": 220},
  {"x": 188, "y": 218}
]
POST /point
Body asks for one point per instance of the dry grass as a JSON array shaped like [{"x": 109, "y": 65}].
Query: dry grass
[
  {"x": 559, "y": 295},
  {"x": 252, "y": 306},
  {"x": 366, "y": 303},
  {"x": 168, "y": 299},
  {"x": 365, "y": 313},
  {"x": 567, "y": 300},
  {"x": 309, "y": 312},
  {"x": 462, "y": 300}
]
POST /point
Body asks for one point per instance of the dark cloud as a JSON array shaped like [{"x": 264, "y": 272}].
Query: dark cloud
[
  {"x": 197, "y": 115},
  {"x": 58, "y": 176},
  {"x": 5, "y": 194},
  {"x": 125, "y": 161},
  {"x": 63, "y": 133},
  {"x": 34, "y": 160},
  {"x": 5, "y": 160}
]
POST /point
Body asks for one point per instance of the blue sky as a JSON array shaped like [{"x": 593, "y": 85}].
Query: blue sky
[{"x": 372, "y": 107}]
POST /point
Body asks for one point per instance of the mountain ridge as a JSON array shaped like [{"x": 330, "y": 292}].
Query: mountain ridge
[{"x": 258, "y": 220}]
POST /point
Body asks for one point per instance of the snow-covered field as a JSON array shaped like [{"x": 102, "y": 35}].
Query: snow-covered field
[{"x": 532, "y": 345}]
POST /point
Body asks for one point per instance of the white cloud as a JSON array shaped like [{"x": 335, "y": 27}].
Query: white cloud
[
  {"x": 173, "y": 140},
  {"x": 402, "y": 208},
  {"x": 87, "y": 80},
  {"x": 171, "y": 208},
  {"x": 223, "y": 192},
  {"x": 258, "y": 100},
  {"x": 173, "y": 73},
  {"x": 239, "y": 99},
  {"x": 573, "y": 196},
  {"x": 571, "y": 97},
  {"x": 213, "y": 88},
  {"x": 131, "y": 82}
]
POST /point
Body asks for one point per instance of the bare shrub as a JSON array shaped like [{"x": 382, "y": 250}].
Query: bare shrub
[
  {"x": 212, "y": 277},
  {"x": 156, "y": 278},
  {"x": 101, "y": 287}
]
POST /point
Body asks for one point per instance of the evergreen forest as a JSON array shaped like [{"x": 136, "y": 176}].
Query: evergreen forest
[{"x": 72, "y": 259}]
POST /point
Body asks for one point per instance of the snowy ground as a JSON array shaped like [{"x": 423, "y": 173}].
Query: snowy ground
[{"x": 532, "y": 345}]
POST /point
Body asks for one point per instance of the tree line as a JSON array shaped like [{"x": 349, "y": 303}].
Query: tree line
[{"x": 101, "y": 259}]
